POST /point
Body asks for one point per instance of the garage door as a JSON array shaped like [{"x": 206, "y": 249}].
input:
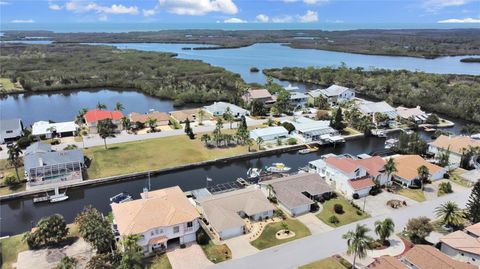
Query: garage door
[{"x": 231, "y": 232}]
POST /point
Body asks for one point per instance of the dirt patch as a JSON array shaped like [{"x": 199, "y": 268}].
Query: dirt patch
[{"x": 284, "y": 234}]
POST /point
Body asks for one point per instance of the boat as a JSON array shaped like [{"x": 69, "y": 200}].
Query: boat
[
  {"x": 304, "y": 151},
  {"x": 254, "y": 173},
  {"x": 58, "y": 197},
  {"x": 308, "y": 149},
  {"x": 380, "y": 133},
  {"x": 389, "y": 143},
  {"x": 278, "y": 168},
  {"x": 121, "y": 198},
  {"x": 39, "y": 198}
]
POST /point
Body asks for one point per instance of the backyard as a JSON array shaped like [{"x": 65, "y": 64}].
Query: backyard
[
  {"x": 268, "y": 237},
  {"x": 350, "y": 214}
]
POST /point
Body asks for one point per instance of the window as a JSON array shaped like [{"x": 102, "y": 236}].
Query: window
[
  {"x": 189, "y": 224},
  {"x": 176, "y": 229},
  {"x": 152, "y": 233}
]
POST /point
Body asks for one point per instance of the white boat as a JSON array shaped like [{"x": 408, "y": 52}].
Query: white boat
[
  {"x": 120, "y": 198},
  {"x": 58, "y": 197},
  {"x": 379, "y": 133},
  {"x": 254, "y": 172},
  {"x": 476, "y": 136},
  {"x": 278, "y": 168},
  {"x": 389, "y": 143},
  {"x": 304, "y": 151}
]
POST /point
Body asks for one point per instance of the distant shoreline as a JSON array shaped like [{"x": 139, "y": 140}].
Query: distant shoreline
[{"x": 470, "y": 60}]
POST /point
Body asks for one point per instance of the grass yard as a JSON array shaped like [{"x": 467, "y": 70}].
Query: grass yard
[
  {"x": 153, "y": 154},
  {"x": 267, "y": 238},
  {"x": 415, "y": 194},
  {"x": 350, "y": 131},
  {"x": 6, "y": 170},
  {"x": 350, "y": 214},
  {"x": 455, "y": 177},
  {"x": 10, "y": 247},
  {"x": 6, "y": 86},
  {"x": 159, "y": 262},
  {"x": 327, "y": 263},
  {"x": 216, "y": 253}
]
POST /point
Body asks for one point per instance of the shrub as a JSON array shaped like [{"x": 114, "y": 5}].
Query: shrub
[
  {"x": 50, "y": 231},
  {"x": 356, "y": 196},
  {"x": 11, "y": 181},
  {"x": 279, "y": 214},
  {"x": 67, "y": 263},
  {"x": 445, "y": 187},
  {"x": 333, "y": 219},
  {"x": 24, "y": 142},
  {"x": 202, "y": 237},
  {"x": 345, "y": 263},
  {"x": 55, "y": 142},
  {"x": 292, "y": 141},
  {"x": 375, "y": 190},
  {"x": 315, "y": 207},
  {"x": 183, "y": 246},
  {"x": 273, "y": 199},
  {"x": 70, "y": 147},
  {"x": 338, "y": 208}
]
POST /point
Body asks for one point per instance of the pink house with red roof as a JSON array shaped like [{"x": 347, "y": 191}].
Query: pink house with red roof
[
  {"x": 351, "y": 176},
  {"x": 92, "y": 117}
]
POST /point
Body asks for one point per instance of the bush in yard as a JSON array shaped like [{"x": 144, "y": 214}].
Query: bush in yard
[
  {"x": 67, "y": 263},
  {"x": 338, "y": 208},
  {"x": 356, "y": 196},
  {"x": 50, "y": 231},
  {"x": 333, "y": 219},
  {"x": 445, "y": 187},
  {"x": 11, "y": 181},
  {"x": 24, "y": 142},
  {"x": 202, "y": 237},
  {"x": 292, "y": 141},
  {"x": 418, "y": 229}
]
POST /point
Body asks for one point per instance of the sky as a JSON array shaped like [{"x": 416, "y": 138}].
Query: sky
[{"x": 240, "y": 11}]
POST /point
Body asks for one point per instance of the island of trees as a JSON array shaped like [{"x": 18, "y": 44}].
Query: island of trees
[{"x": 452, "y": 95}]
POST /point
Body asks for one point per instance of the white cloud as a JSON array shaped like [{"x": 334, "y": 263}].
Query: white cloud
[
  {"x": 262, "y": 18},
  {"x": 79, "y": 6},
  {"x": 313, "y": 2},
  {"x": 23, "y": 21},
  {"x": 119, "y": 9},
  {"x": 198, "y": 7},
  {"x": 433, "y": 5},
  {"x": 3, "y": 3},
  {"x": 149, "y": 12},
  {"x": 282, "y": 19},
  {"x": 54, "y": 7},
  {"x": 234, "y": 20},
  {"x": 310, "y": 16},
  {"x": 465, "y": 20}
]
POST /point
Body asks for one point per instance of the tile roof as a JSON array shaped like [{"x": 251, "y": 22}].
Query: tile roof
[
  {"x": 474, "y": 229},
  {"x": 462, "y": 241},
  {"x": 361, "y": 183},
  {"x": 406, "y": 112},
  {"x": 387, "y": 262},
  {"x": 259, "y": 94},
  {"x": 160, "y": 208},
  {"x": 428, "y": 257},
  {"x": 289, "y": 189},
  {"x": 159, "y": 116},
  {"x": 456, "y": 143},
  {"x": 95, "y": 115},
  {"x": 191, "y": 114},
  {"x": 407, "y": 166},
  {"x": 373, "y": 165},
  {"x": 222, "y": 209},
  {"x": 347, "y": 165}
]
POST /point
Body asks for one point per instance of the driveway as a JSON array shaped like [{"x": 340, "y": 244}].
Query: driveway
[
  {"x": 314, "y": 224},
  {"x": 190, "y": 257},
  {"x": 377, "y": 205},
  {"x": 240, "y": 246}
]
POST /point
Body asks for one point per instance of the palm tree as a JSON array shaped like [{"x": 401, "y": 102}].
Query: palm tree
[
  {"x": 152, "y": 123},
  {"x": 101, "y": 106},
  {"x": 358, "y": 242},
  {"x": 249, "y": 143},
  {"x": 390, "y": 167},
  {"x": 384, "y": 229},
  {"x": 106, "y": 128},
  {"x": 126, "y": 123},
  {"x": 119, "y": 106},
  {"x": 423, "y": 174},
  {"x": 259, "y": 142},
  {"x": 132, "y": 253},
  {"x": 450, "y": 213},
  {"x": 205, "y": 138},
  {"x": 80, "y": 116},
  {"x": 14, "y": 152},
  {"x": 228, "y": 116},
  {"x": 201, "y": 116}
]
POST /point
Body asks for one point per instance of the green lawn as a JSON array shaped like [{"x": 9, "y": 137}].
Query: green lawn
[
  {"x": 10, "y": 247},
  {"x": 159, "y": 262},
  {"x": 415, "y": 194},
  {"x": 217, "y": 253},
  {"x": 6, "y": 86},
  {"x": 350, "y": 131},
  {"x": 7, "y": 170},
  {"x": 349, "y": 215},
  {"x": 455, "y": 177},
  {"x": 267, "y": 238},
  {"x": 328, "y": 263},
  {"x": 152, "y": 154}
]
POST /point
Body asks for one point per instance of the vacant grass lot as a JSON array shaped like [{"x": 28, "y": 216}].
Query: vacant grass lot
[
  {"x": 328, "y": 263},
  {"x": 349, "y": 215},
  {"x": 267, "y": 238},
  {"x": 216, "y": 253},
  {"x": 6, "y": 86},
  {"x": 415, "y": 194},
  {"x": 165, "y": 152}
]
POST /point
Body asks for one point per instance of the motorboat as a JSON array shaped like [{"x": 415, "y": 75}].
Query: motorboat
[
  {"x": 389, "y": 143},
  {"x": 278, "y": 168},
  {"x": 379, "y": 133},
  {"x": 121, "y": 198},
  {"x": 58, "y": 197},
  {"x": 254, "y": 172}
]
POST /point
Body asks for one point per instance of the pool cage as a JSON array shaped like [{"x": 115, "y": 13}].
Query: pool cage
[{"x": 60, "y": 172}]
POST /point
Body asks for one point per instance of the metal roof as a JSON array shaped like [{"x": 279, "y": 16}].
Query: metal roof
[
  {"x": 11, "y": 124},
  {"x": 42, "y": 159}
]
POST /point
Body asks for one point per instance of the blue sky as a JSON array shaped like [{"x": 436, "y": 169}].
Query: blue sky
[{"x": 240, "y": 11}]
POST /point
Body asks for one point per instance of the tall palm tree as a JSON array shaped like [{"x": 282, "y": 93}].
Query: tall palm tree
[
  {"x": 126, "y": 123},
  {"x": 384, "y": 229},
  {"x": 259, "y": 142},
  {"x": 101, "y": 106},
  {"x": 249, "y": 143},
  {"x": 450, "y": 213},
  {"x": 358, "y": 242},
  {"x": 390, "y": 167},
  {"x": 152, "y": 123},
  {"x": 201, "y": 116},
  {"x": 119, "y": 106},
  {"x": 423, "y": 174},
  {"x": 106, "y": 128},
  {"x": 132, "y": 253},
  {"x": 14, "y": 152}
]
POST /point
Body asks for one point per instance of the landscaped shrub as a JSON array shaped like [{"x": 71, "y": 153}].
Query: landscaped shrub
[
  {"x": 273, "y": 199},
  {"x": 292, "y": 141},
  {"x": 356, "y": 196},
  {"x": 24, "y": 142},
  {"x": 55, "y": 142},
  {"x": 345, "y": 263},
  {"x": 315, "y": 207},
  {"x": 445, "y": 187},
  {"x": 11, "y": 181},
  {"x": 183, "y": 246},
  {"x": 279, "y": 214},
  {"x": 338, "y": 208},
  {"x": 333, "y": 219},
  {"x": 202, "y": 237}
]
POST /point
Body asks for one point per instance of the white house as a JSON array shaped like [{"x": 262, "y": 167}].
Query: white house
[
  {"x": 298, "y": 99},
  {"x": 61, "y": 129},
  {"x": 407, "y": 169},
  {"x": 416, "y": 114},
  {"x": 337, "y": 94},
  {"x": 455, "y": 145},
  {"x": 225, "y": 211},
  {"x": 269, "y": 133},
  {"x": 10, "y": 130},
  {"x": 351, "y": 176},
  {"x": 161, "y": 218},
  {"x": 308, "y": 130},
  {"x": 463, "y": 245},
  {"x": 217, "y": 109},
  {"x": 370, "y": 108}
]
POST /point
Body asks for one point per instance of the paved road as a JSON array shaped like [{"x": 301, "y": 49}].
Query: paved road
[{"x": 319, "y": 246}]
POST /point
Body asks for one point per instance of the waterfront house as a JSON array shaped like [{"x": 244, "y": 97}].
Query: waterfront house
[
  {"x": 456, "y": 145},
  {"x": 269, "y": 133},
  {"x": 160, "y": 218},
  {"x": 298, "y": 99},
  {"x": 416, "y": 114},
  {"x": 308, "y": 130},
  {"x": 226, "y": 211},
  {"x": 336, "y": 94},
  {"x": 420, "y": 257},
  {"x": 407, "y": 170},
  {"x": 296, "y": 194},
  {"x": 261, "y": 95},
  {"x": 52, "y": 129},
  {"x": 351, "y": 176},
  {"x": 162, "y": 118},
  {"x": 45, "y": 167},
  {"x": 217, "y": 109},
  {"x": 191, "y": 114},
  {"x": 10, "y": 130},
  {"x": 370, "y": 108},
  {"x": 92, "y": 117},
  {"x": 463, "y": 245}
]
